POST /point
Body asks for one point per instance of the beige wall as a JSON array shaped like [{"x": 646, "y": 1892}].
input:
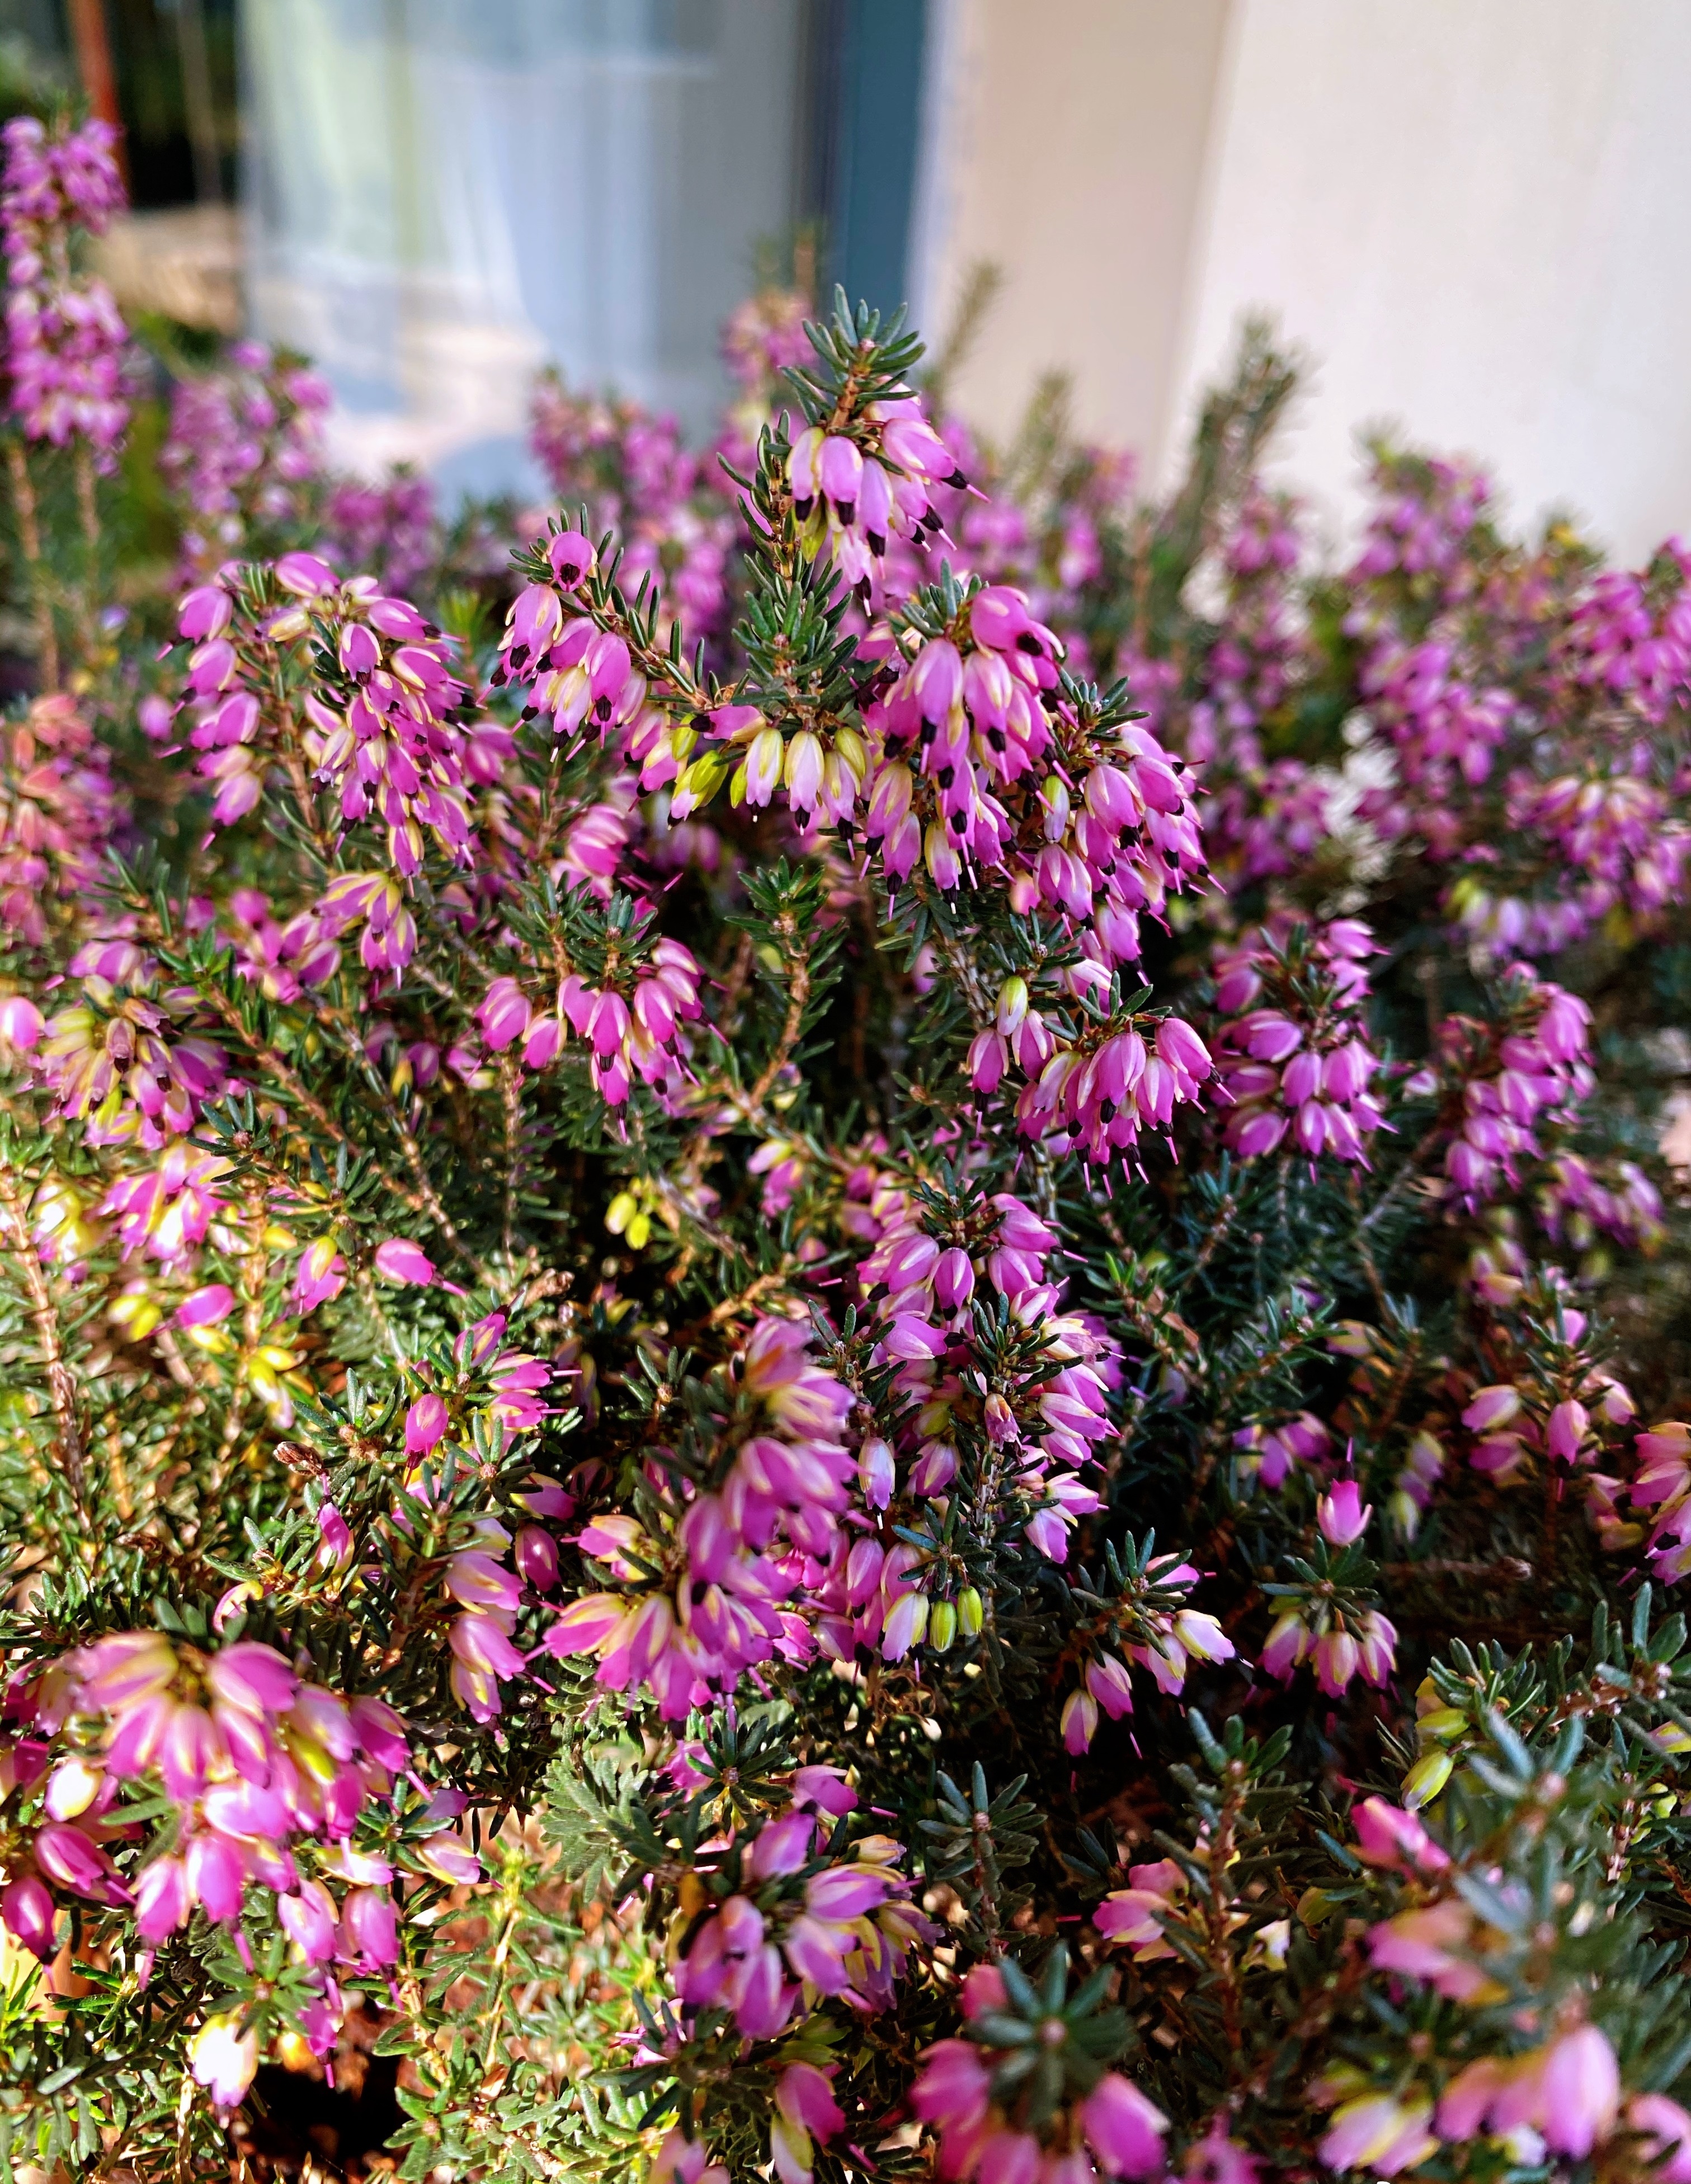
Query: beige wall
[
  {"x": 1477, "y": 214},
  {"x": 1066, "y": 144},
  {"x": 1474, "y": 215}
]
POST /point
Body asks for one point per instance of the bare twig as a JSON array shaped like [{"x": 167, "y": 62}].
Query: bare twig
[
  {"x": 28, "y": 539},
  {"x": 61, "y": 1387}
]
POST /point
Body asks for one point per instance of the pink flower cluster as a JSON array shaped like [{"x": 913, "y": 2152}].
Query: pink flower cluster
[
  {"x": 1572, "y": 829},
  {"x": 249, "y": 1754},
  {"x": 1096, "y": 1092},
  {"x": 1567, "y": 2093},
  {"x": 265, "y": 1775},
  {"x": 802, "y": 1925},
  {"x": 1273, "y": 1452},
  {"x": 731, "y": 1558},
  {"x": 1152, "y": 1629},
  {"x": 1612, "y": 827},
  {"x": 1296, "y": 1058},
  {"x": 584, "y": 676},
  {"x": 495, "y": 1394},
  {"x": 929, "y": 1265},
  {"x": 374, "y": 905},
  {"x": 1134, "y": 1917},
  {"x": 958, "y": 768},
  {"x": 1661, "y": 1483},
  {"x": 1513, "y": 1420},
  {"x": 805, "y": 2111},
  {"x": 119, "y": 1059},
  {"x": 488, "y": 1596},
  {"x": 244, "y": 453},
  {"x": 392, "y": 749},
  {"x": 1529, "y": 1067},
  {"x": 596, "y": 846},
  {"x": 1276, "y": 821},
  {"x": 669, "y": 506},
  {"x": 509, "y": 1384},
  {"x": 1511, "y": 710},
  {"x": 857, "y": 486},
  {"x": 65, "y": 338},
  {"x": 54, "y": 180},
  {"x": 1052, "y": 550},
  {"x": 641, "y": 1036},
  {"x": 1444, "y": 732},
  {"x": 765, "y": 337},
  {"x": 1104, "y": 829},
  {"x": 1425, "y": 522},
  {"x": 282, "y": 960},
  {"x": 763, "y": 340},
  {"x": 58, "y": 809},
  {"x": 396, "y": 754},
  {"x": 164, "y": 1210},
  {"x": 966, "y": 2095},
  {"x": 1325, "y": 1622},
  {"x": 1629, "y": 639},
  {"x": 1582, "y": 1199},
  {"x": 1562, "y": 2096},
  {"x": 390, "y": 529}
]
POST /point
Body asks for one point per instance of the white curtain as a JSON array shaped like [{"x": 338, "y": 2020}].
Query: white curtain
[{"x": 441, "y": 194}]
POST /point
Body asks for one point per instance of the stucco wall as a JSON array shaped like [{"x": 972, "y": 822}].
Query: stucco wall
[
  {"x": 1066, "y": 141},
  {"x": 1474, "y": 215}
]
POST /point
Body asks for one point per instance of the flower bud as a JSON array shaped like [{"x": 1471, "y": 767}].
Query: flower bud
[
  {"x": 28, "y": 1913},
  {"x": 1054, "y": 795},
  {"x": 72, "y": 1787},
  {"x": 20, "y": 1023},
  {"x": 1492, "y": 1406},
  {"x": 1012, "y": 1006},
  {"x": 763, "y": 765},
  {"x": 1425, "y": 1779},
  {"x": 537, "y": 1557},
  {"x": 1342, "y": 1515},
  {"x": 399, "y": 1260},
  {"x": 906, "y": 1624},
  {"x": 221, "y": 2056},
  {"x": 875, "y": 1472},
  {"x": 852, "y": 753},
  {"x": 571, "y": 556}
]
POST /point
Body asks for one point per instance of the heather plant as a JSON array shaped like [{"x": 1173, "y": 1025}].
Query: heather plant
[{"x": 842, "y": 1331}]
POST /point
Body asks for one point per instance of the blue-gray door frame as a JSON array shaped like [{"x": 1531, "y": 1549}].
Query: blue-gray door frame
[{"x": 867, "y": 107}]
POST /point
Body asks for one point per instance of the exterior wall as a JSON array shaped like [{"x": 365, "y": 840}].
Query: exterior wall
[
  {"x": 1066, "y": 143},
  {"x": 1474, "y": 215},
  {"x": 1477, "y": 219}
]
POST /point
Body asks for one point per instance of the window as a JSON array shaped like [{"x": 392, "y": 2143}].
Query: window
[{"x": 443, "y": 194}]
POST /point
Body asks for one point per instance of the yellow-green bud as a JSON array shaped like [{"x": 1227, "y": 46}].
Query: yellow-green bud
[
  {"x": 1012, "y": 1006},
  {"x": 853, "y": 752},
  {"x": 1425, "y": 1779},
  {"x": 705, "y": 777}
]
